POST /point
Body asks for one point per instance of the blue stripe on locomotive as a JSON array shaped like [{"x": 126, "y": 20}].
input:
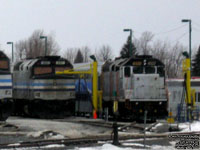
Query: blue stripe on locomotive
[
  {"x": 45, "y": 90},
  {"x": 5, "y": 81},
  {"x": 83, "y": 87},
  {"x": 44, "y": 84}
]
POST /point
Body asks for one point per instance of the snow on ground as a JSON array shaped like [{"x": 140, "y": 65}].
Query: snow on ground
[
  {"x": 55, "y": 129},
  {"x": 54, "y": 146},
  {"x": 139, "y": 146},
  {"x": 185, "y": 127},
  {"x": 157, "y": 125}
]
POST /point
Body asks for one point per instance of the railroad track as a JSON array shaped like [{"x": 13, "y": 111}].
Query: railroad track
[
  {"x": 121, "y": 126},
  {"x": 83, "y": 141}
]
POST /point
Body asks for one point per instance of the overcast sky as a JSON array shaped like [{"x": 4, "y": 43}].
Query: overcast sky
[{"x": 77, "y": 23}]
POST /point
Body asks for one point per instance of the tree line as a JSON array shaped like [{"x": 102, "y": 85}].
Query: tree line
[{"x": 168, "y": 52}]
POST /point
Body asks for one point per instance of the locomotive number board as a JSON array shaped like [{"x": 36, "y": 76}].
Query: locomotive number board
[
  {"x": 151, "y": 63},
  {"x": 144, "y": 62},
  {"x": 137, "y": 63}
]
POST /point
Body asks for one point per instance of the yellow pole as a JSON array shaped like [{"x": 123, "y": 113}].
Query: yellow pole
[
  {"x": 95, "y": 89},
  {"x": 186, "y": 70},
  {"x": 188, "y": 81}
]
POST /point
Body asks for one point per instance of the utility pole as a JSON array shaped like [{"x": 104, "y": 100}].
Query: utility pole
[
  {"x": 12, "y": 50},
  {"x": 190, "y": 38}
]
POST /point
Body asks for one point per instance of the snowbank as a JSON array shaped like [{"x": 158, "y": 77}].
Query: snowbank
[
  {"x": 185, "y": 127},
  {"x": 112, "y": 147}
]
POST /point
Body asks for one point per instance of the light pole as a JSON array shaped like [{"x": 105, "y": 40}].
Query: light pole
[
  {"x": 45, "y": 37},
  {"x": 12, "y": 50},
  {"x": 130, "y": 44},
  {"x": 190, "y": 37}
]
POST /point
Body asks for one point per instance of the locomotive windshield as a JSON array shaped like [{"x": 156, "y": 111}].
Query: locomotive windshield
[
  {"x": 160, "y": 71},
  {"x": 127, "y": 72},
  {"x": 61, "y": 68},
  {"x": 149, "y": 70},
  {"x": 4, "y": 64},
  {"x": 42, "y": 70},
  {"x": 138, "y": 69}
]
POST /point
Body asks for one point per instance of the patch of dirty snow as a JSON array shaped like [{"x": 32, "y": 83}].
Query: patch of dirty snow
[
  {"x": 185, "y": 127},
  {"x": 156, "y": 126},
  {"x": 159, "y": 147},
  {"x": 104, "y": 147},
  {"x": 54, "y": 146},
  {"x": 66, "y": 129},
  {"x": 15, "y": 144},
  {"x": 112, "y": 147},
  {"x": 46, "y": 135},
  {"x": 136, "y": 144}
]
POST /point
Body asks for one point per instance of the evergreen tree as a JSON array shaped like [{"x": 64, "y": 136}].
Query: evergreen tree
[
  {"x": 196, "y": 64},
  {"x": 124, "y": 53},
  {"x": 79, "y": 57}
]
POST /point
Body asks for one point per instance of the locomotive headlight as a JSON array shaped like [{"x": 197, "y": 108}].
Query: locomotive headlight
[
  {"x": 160, "y": 103},
  {"x": 7, "y": 92}
]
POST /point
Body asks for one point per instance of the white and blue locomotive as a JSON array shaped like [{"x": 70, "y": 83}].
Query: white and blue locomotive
[
  {"x": 137, "y": 84},
  {"x": 39, "y": 92},
  {"x": 6, "y": 102}
]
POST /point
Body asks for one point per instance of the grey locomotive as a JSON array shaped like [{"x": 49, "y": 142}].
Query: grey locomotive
[
  {"x": 138, "y": 85},
  {"x": 6, "y": 102},
  {"x": 39, "y": 92}
]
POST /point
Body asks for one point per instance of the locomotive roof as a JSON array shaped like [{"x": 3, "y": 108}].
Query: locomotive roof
[
  {"x": 3, "y": 55},
  {"x": 31, "y": 62},
  {"x": 128, "y": 62}
]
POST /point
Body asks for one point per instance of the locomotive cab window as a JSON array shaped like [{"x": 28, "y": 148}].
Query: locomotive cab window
[
  {"x": 137, "y": 69},
  {"x": 127, "y": 72},
  {"x": 42, "y": 70},
  {"x": 149, "y": 70},
  {"x": 160, "y": 71},
  {"x": 4, "y": 65}
]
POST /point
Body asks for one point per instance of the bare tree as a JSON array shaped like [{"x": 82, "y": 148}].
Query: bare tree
[
  {"x": 21, "y": 49},
  {"x": 70, "y": 54},
  {"x": 143, "y": 44},
  {"x": 175, "y": 60},
  {"x": 85, "y": 50},
  {"x": 34, "y": 46},
  {"x": 104, "y": 53},
  {"x": 170, "y": 55}
]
